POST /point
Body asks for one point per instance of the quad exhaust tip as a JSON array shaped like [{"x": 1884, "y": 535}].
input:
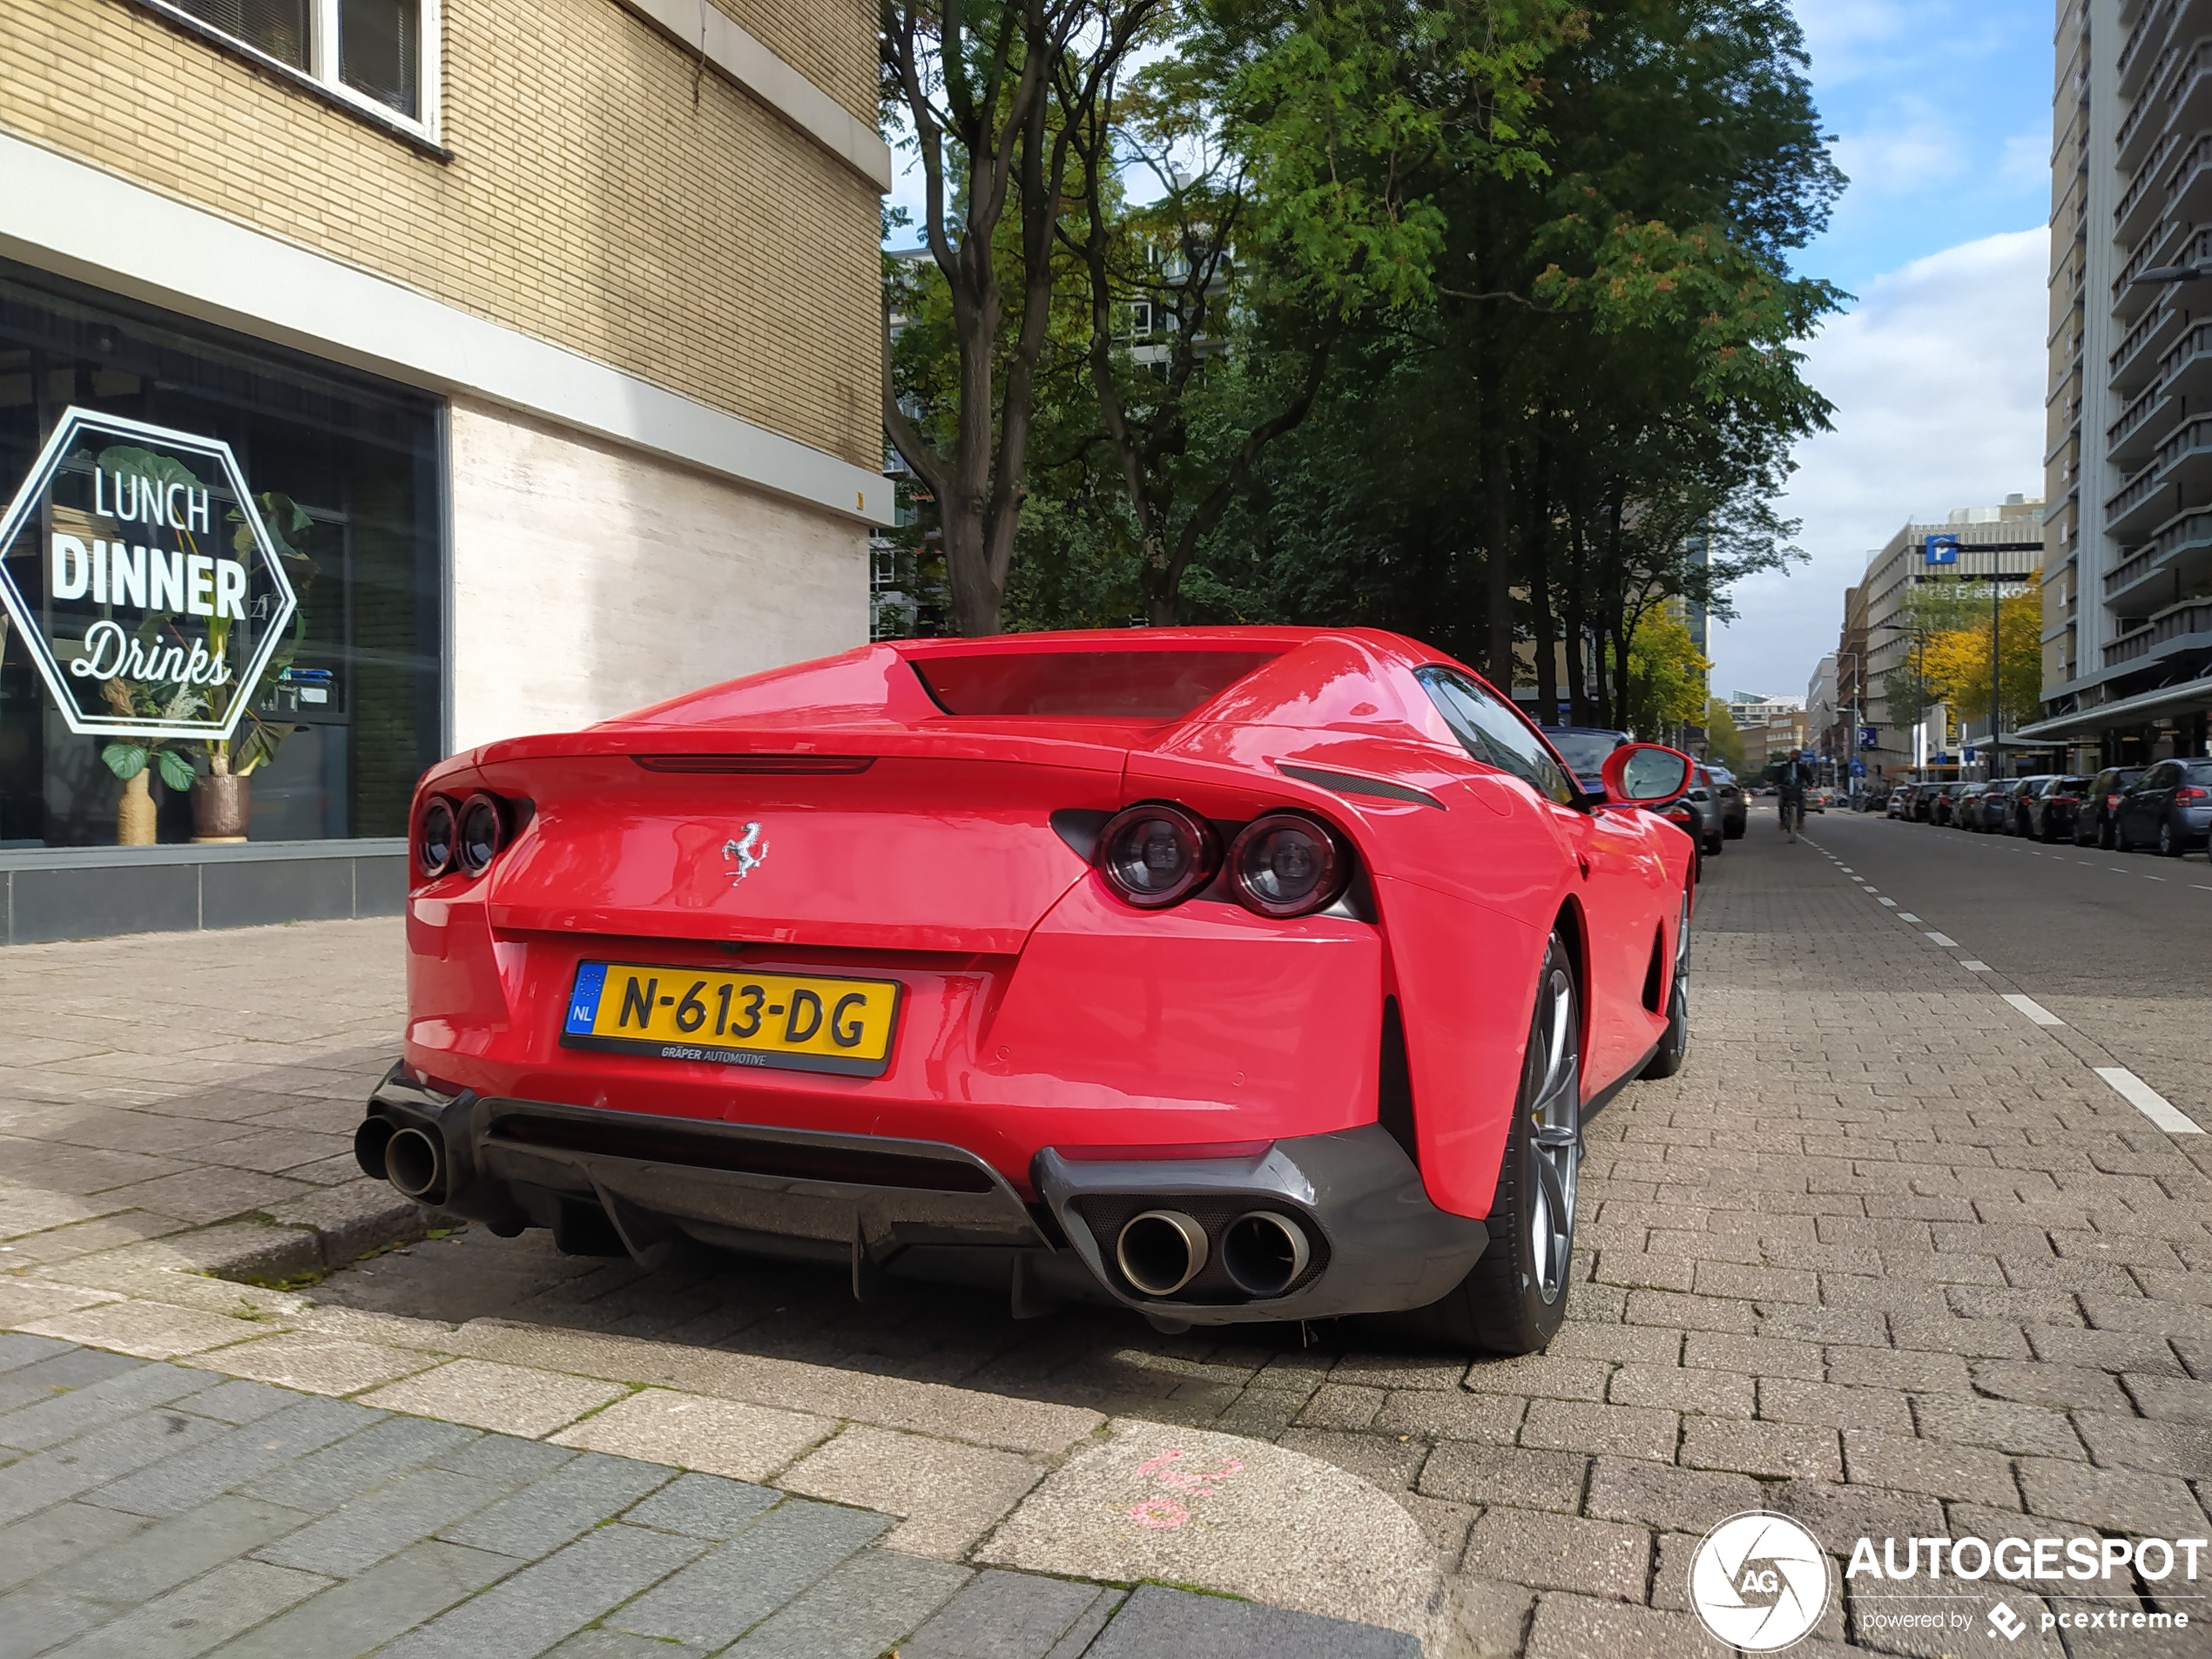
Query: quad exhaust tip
[
  {"x": 414, "y": 1163},
  {"x": 1161, "y": 1250},
  {"x": 1265, "y": 1252}
]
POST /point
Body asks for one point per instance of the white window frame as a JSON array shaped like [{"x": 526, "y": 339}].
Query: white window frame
[{"x": 321, "y": 73}]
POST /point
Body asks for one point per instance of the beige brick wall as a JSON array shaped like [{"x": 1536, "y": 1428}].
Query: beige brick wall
[
  {"x": 589, "y": 579},
  {"x": 709, "y": 247},
  {"x": 831, "y": 43}
]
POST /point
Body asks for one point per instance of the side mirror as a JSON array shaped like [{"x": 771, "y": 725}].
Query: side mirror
[{"x": 1646, "y": 775}]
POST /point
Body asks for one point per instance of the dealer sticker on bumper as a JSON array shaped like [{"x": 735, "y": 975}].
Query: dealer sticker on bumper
[{"x": 795, "y": 1021}]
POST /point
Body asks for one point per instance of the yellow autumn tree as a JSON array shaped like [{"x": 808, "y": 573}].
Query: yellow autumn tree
[
  {"x": 1955, "y": 661},
  {"x": 1666, "y": 676}
]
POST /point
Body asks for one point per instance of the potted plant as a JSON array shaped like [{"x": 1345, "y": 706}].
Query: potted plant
[
  {"x": 135, "y": 762},
  {"x": 222, "y": 801}
]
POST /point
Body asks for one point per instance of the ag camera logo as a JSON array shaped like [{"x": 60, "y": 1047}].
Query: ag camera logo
[{"x": 1760, "y": 1581}]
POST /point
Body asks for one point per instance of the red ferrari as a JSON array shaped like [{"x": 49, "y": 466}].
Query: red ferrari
[{"x": 1227, "y": 974}]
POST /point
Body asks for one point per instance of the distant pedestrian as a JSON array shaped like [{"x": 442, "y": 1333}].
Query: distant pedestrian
[{"x": 1796, "y": 772}]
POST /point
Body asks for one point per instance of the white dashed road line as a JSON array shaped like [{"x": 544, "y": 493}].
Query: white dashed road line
[
  {"x": 1890, "y": 902},
  {"x": 2034, "y": 1009},
  {"x": 2147, "y": 1100},
  {"x": 1944, "y": 939},
  {"x": 1977, "y": 967}
]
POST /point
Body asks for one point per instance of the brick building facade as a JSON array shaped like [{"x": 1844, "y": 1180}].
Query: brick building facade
[{"x": 559, "y": 322}]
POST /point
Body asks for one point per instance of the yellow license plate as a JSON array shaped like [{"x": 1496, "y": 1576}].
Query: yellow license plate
[{"x": 797, "y": 1022}]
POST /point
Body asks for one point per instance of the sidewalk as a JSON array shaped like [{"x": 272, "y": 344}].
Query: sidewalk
[{"x": 1836, "y": 1268}]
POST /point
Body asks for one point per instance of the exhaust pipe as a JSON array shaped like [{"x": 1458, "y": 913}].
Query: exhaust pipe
[
  {"x": 1161, "y": 1251},
  {"x": 1265, "y": 1252},
  {"x": 415, "y": 1163}
]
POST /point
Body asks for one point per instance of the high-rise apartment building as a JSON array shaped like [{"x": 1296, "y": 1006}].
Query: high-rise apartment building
[{"x": 2127, "y": 574}]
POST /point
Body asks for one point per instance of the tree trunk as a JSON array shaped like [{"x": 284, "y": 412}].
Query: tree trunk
[
  {"x": 1578, "y": 624},
  {"x": 1538, "y": 516}
]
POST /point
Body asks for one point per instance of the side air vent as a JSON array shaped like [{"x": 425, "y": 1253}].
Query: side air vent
[{"x": 1350, "y": 783}]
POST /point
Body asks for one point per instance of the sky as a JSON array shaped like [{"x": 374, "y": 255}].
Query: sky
[{"x": 1941, "y": 116}]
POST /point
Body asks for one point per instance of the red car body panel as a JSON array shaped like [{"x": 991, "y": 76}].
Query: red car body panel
[{"x": 1039, "y": 1010}]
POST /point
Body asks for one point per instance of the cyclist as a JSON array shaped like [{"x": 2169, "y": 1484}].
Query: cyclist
[{"x": 1791, "y": 785}]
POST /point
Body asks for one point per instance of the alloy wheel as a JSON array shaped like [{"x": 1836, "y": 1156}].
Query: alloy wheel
[{"x": 1555, "y": 1129}]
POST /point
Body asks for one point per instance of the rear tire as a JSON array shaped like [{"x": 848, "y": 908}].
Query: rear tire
[
  {"x": 2170, "y": 846},
  {"x": 1513, "y": 1299},
  {"x": 1674, "y": 1042}
]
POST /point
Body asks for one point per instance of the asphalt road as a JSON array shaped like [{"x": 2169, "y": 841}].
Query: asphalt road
[{"x": 2118, "y": 944}]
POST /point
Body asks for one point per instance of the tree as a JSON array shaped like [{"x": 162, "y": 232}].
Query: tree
[
  {"x": 1956, "y": 660},
  {"x": 989, "y": 97},
  {"x": 1723, "y": 741},
  {"x": 1666, "y": 678}
]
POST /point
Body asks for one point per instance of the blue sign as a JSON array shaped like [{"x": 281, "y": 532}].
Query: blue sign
[
  {"x": 1859, "y": 768},
  {"x": 1870, "y": 737},
  {"x": 1941, "y": 550}
]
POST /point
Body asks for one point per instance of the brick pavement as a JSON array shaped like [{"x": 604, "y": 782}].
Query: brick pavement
[{"x": 1845, "y": 1265}]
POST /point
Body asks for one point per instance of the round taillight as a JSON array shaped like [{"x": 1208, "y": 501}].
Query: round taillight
[
  {"x": 1155, "y": 855},
  {"x": 1286, "y": 864},
  {"x": 479, "y": 833},
  {"x": 434, "y": 840}
]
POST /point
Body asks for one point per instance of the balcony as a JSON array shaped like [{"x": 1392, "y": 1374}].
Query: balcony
[
  {"x": 2186, "y": 370},
  {"x": 2133, "y": 439},
  {"x": 2178, "y": 557},
  {"x": 2133, "y": 216},
  {"x": 2134, "y": 508},
  {"x": 2148, "y": 115},
  {"x": 2139, "y": 50},
  {"x": 2188, "y": 189},
  {"x": 2134, "y": 364},
  {"x": 2187, "y": 626}
]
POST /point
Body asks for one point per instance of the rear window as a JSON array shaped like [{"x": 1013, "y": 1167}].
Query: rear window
[
  {"x": 1085, "y": 685},
  {"x": 2197, "y": 771},
  {"x": 1585, "y": 751}
]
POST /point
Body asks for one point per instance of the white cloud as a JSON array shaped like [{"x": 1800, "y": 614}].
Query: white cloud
[
  {"x": 1937, "y": 378},
  {"x": 1913, "y": 147}
]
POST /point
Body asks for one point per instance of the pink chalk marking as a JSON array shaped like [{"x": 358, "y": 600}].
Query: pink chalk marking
[
  {"x": 1166, "y": 1512},
  {"x": 1159, "y": 1512}
]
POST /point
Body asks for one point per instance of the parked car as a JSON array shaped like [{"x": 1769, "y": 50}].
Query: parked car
[
  {"x": 1926, "y": 799},
  {"x": 2051, "y": 805},
  {"x": 1705, "y": 800},
  {"x": 1944, "y": 807},
  {"x": 1900, "y": 802},
  {"x": 1736, "y": 808},
  {"x": 1817, "y": 800},
  {"x": 937, "y": 956},
  {"x": 2012, "y": 815},
  {"x": 2170, "y": 808},
  {"x": 2093, "y": 823},
  {"x": 1962, "y": 805}
]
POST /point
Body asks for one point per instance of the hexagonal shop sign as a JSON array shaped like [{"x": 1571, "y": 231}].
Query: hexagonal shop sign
[{"x": 135, "y": 563}]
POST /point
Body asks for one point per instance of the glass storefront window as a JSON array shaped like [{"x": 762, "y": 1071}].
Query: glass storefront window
[{"x": 345, "y": 468}]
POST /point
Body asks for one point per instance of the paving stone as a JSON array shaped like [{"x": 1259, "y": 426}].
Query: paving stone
[
  {"x": 1902, "y": 1368},
  {"x": 598, "y": 1642},
  {"x": 1787, "y": 1399},
  {"x": 146, "y": 1329},
  {"x": 1683, "y": 1388},
  {"x": 92, "y": 1459},
  {"x": 236, "y": 1403},
  {"x": 949, "y": 1492},
  {"x": 19, "y": 1350},
  {"x": 737, "y": 1584},
  {"x": 502, "y": 1457},
  {"x": 114, "y": 1398},
  {"x": 694, "y": 1431},
  {"x": 234, "y": 1458},
  {"x": 528, "y": 1613},
  {"x": 1784, "y": 1451},
  {"x": 704, "y": 1506},
  {"x": 1656, "y": 1494},
  {"x": 1455, "y": 1416},
  {"x": 386, "y": 1601},
  {"x": 552, "y": 1509},
  {"x": 351, "y": 1540},
  {"x": 2004, "y": 1425},
  {"x": 1966, "y": 1473},
  {"x": 1157, "y": 1620},
  {"x": 1538, "y": 1374},
  {"x": 200, "y": 1615},
  {"x": 859, "y": 1610},
  {"x": 1625, "y": 1431},
  {"x": 339, "y": 1473},
  {"x": 322, "y": 1364},
  {"x": 1390, "y": 1461},
  {"x": 2165, "y": 1398},
  {"x": 997, "y": 1615},
  {"x": 1494, "y": 1617},
  {"x": 1558, "y": 1552},
  {"x": 66, "y": 1533},
  {"x": 1577, "y": 1627},
  {"x": 134, "y": 1569},
  {"x": 1752, "y": 1356},
  {"x": 1467, "y": 1473},
  {"x": 2060, "y": 1387},
  {"x": 40, "y": 1376},
  {"x": 2135, "y": 1443},
  {"x": 512, "y": 1398}
]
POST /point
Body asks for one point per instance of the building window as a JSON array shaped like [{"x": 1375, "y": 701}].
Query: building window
[
  {"x": 376, "y": 55},
  {"x": 353, "y": 470}
]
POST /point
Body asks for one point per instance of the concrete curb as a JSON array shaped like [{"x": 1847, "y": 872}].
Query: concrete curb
[{"x": 973, "y": 1478}]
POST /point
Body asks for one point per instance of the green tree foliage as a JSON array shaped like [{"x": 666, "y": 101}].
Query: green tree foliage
[
  {"x": 1467, "y": 318},
  {"x": 1666, "y": 677},
  {"x": 1723, "y": 741}
]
